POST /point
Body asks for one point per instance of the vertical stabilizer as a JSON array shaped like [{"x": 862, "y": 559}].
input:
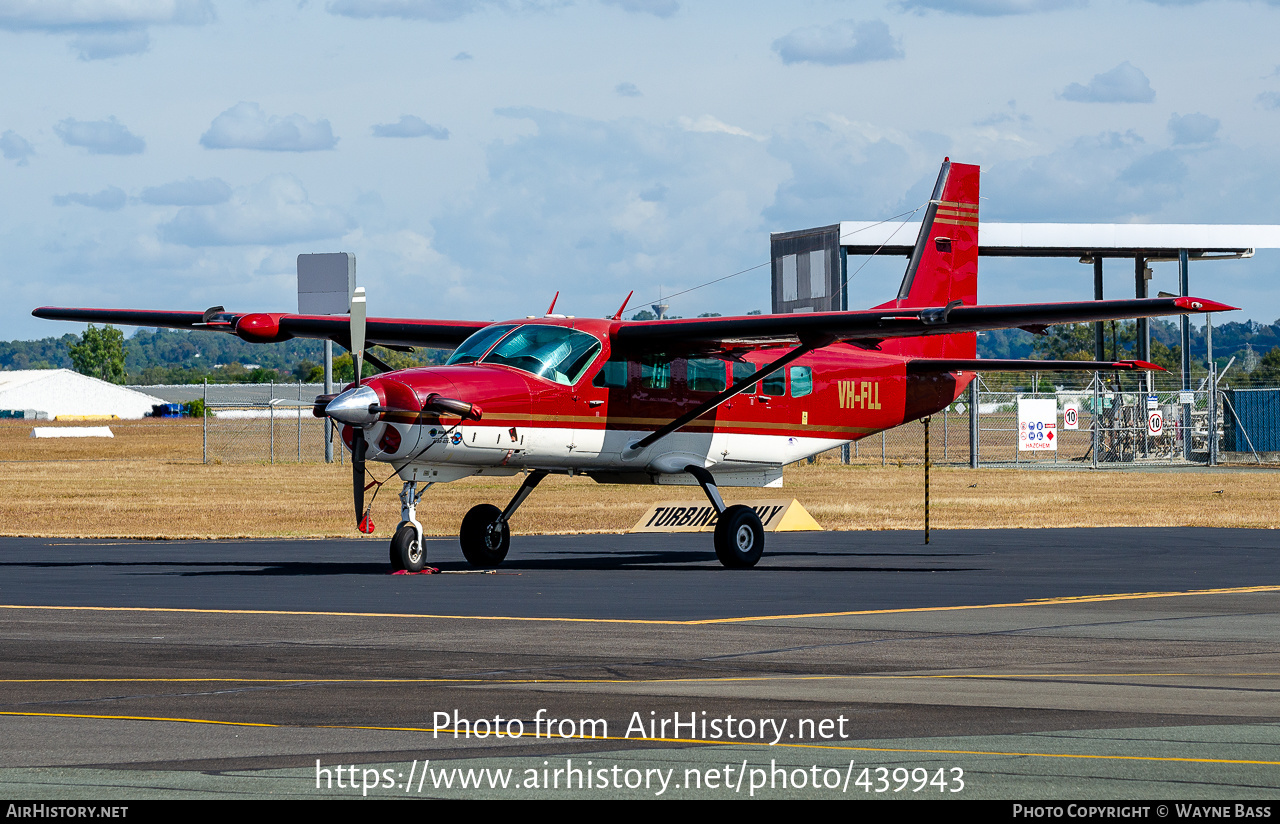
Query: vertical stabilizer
[{"x": 944, "y": 265}]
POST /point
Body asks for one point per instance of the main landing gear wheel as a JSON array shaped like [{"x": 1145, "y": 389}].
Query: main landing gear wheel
[
  {"x": 407, "y": 552},
  {"x": 484, "y": 536},
  {"x": 739, "y": 537}
]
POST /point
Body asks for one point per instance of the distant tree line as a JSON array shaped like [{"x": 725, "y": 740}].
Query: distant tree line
[{"x": 176, "y": 356}]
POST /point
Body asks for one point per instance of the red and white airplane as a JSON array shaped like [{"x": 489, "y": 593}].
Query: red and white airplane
[{"x": 725, "y": 401}]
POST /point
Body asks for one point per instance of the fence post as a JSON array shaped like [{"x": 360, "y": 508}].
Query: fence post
[
  {"x": 271, "y": 418},
  {"x": 945, "y": 430},
  {"x": 204, "y": 426},
  {"x": 299, "y": 420},
  {"x": 973, "y": 423},
  {"x": 883, "y": 459},
  {"x": 1097, "y": 418}
]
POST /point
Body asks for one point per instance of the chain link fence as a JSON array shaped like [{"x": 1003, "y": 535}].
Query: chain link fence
[
  {"x": 272, "y": 423},
  {"x": 1113, "y": 427},
  {"x": 255, "y": 422}
]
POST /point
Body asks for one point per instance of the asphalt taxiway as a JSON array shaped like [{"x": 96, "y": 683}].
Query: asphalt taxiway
[{"x": 1100, "y": 663}]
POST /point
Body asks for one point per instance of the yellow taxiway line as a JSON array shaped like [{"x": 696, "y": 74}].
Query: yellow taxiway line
[
  {"x": 1038, "y": 602},
  {"x": 320, "y": 681}
]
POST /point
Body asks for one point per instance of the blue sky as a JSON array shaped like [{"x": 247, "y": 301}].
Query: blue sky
[{"x": 479, "y": 155}]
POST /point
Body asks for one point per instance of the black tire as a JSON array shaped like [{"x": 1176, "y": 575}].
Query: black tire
[
  {"x": 485, "y": 538},
  {"x": 739, "y": 537},
  {"x": 407, "y": 552}
]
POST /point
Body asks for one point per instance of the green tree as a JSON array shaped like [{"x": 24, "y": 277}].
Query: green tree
[{"x": 100, "y": 354}]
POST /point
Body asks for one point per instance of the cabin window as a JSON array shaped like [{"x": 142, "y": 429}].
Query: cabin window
[
  {"x": 655, "y": 373},
  {"x": 705, "y": 375},
  {"x": 743, "y": 370},
  {"x": 550, "y": 352},
  {"x": 613, "y": 375},
  {"x": 801, "y": 381},
  {"x": 775, "y": 384},
  {"x": 474, "y": 347}
]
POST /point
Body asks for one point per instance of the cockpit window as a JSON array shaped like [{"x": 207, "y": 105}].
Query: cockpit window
[
  {"x": 475, "y": 346},
  {"x": 550, "y": 352}
]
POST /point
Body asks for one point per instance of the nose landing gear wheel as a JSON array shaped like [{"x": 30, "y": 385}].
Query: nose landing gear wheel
[
  {"x": 407, "y": 552},
  {"x": 739, "y": 537},
  {"x": 484, "y": 536}
]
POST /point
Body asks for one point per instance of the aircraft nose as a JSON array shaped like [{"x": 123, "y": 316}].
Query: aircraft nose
[{"x": 355, "y": 406}]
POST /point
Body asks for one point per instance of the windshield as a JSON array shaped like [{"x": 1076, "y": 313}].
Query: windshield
[
  {"x": 550, "y": 352},
  {"x": 476, "y": 345}
]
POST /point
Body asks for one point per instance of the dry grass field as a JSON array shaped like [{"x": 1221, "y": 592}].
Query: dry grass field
[{"x": 148, "y": 482}]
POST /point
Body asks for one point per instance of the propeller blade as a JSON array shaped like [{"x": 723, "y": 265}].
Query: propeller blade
[
  {"x": 358, "y": 447},
  {"x": 358, "y": 312}
]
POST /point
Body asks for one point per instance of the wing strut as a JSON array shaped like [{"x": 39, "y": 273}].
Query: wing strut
[{"x": 765, "y": 371}]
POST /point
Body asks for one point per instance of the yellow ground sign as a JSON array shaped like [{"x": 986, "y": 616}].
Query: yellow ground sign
[{"x": 684, "y": 516}]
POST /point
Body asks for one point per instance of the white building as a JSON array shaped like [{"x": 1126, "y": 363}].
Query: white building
[{"x": 55, "y": 392}]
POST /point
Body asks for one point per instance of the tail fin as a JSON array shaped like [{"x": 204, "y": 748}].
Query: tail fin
[{"x": 944, "y": 265}]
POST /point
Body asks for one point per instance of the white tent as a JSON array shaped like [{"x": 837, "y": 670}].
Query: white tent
[{"x": 63, "y": 392}]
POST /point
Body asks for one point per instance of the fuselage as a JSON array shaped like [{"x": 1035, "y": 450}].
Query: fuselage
[{"x": 569, "y": 403}]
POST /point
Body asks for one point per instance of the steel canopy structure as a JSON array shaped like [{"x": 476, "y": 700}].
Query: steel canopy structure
[
  {"x": 810, "y": 266},
  {"x": 1151, "y": 241}
]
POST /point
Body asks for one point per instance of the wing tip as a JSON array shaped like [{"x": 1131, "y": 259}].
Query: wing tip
[{"x": 1203, "y": 305}]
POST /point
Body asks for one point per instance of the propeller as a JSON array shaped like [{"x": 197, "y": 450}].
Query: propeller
[
  {"x": 358, "y": 445},
  {"x": 360, "y": 406}
]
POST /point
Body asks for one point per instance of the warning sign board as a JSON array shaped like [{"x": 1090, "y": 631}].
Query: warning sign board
[
  {"x": 1155, "y": 423},
  {"x": 1037, "y": 425},
  {"x": 1071, "y": 415},
  {"x": 685, "y": 516}
]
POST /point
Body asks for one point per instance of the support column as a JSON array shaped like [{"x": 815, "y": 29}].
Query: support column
[
  {"x": 1184, "y": 283},
  {"x": 1141, "y": 289},
  {"x": 1099, "y": 343}
]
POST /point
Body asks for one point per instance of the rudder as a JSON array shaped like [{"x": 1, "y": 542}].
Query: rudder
[{"x": 944, "y": 264}]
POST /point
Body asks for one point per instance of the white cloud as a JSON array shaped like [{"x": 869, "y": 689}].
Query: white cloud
[
  {"x": 99, "y": 136},
  {"x": 64, "y": 15},
  {"x": 1124, "y": 84},
  {"x": 840, "y": 43},
  {"x": 711, "y": 125},
  {"x": 103, "y": 28},
  {"x": 1269, "y": 100},
  {"x": 100, "y": 45},
  {"x": 432, "y": 11},
  {"x": 658, "y": 8},
  {"x": 189, "y": 192},
  {"x": 990, "y": 8},
  {"x": 627, "y": 90},
  {"x": 15, "y": 147},
  {"x": 597, "y": 208},
  {"x": 246, "y": 126},
  {"x": 110, "y": 199},
  {"x": 1193, "y": 128},
  {"x": 410, "y": 126},
  {"x": 274, "y": 211},
  {"x": 843, "y": 169}
]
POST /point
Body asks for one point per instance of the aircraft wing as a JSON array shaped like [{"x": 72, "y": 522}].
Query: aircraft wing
[
  {"x": 273, "y": 327},
  {"x": 869, "y": 327}
]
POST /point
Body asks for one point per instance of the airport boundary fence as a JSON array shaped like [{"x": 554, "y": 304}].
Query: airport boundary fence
[{"x": 272, "y": 423}]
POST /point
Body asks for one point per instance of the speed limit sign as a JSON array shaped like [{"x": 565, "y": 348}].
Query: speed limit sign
[
  {"x": 1155, "y": 423},
  {"x": 1071, "y": 416}
]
